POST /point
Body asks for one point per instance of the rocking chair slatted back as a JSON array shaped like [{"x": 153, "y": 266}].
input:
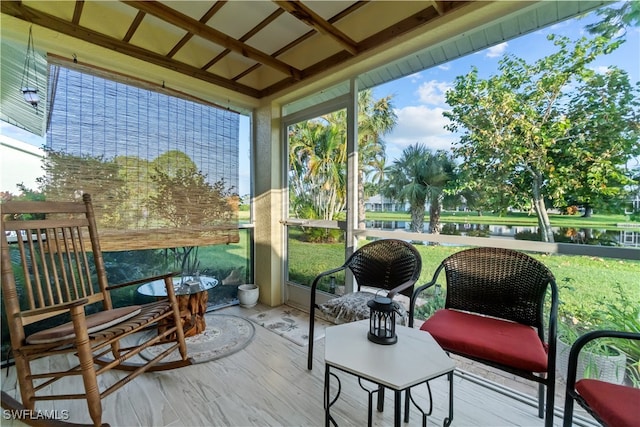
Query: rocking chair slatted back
[{"x": 59, "y": 270}]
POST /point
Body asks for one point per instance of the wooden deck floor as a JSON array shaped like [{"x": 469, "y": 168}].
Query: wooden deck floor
[{"x": 268, "y": 384}]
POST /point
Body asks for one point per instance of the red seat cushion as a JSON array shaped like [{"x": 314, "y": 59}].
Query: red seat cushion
[
  {"x": 616, "y": 405},
  {"x": 500, "y": 341}
]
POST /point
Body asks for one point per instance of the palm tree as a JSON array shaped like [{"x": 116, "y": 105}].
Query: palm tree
[
  {"x": 317, "y": 162},
  {"x": 317, "y": 157},
  {"x": 375, "y": 119},
  {"x": 418, "y": 176}
]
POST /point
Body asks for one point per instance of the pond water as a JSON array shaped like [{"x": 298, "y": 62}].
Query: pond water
[{"x": 588, "y": 236}]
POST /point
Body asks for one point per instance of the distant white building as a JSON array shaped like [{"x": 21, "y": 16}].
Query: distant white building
[
  {"x": 378, "y": 203},
  {"x": 19, "y": 163}
]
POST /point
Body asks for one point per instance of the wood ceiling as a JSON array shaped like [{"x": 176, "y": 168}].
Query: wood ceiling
[{"x": 256, "y": 48}]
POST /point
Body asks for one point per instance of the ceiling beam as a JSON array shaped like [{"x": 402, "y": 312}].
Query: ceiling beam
[
  {"x": 303, "y": 13},
  {"x": 77, "y": 11},
  {"x": 191, "y": 25},
  {"x": 269, "y": 19},
  {"x": 134, "y": 26},
  {"x": 438, "y": 6},
  {"x": 18, "y": 10},
  {"x": 205, "y": 18}
]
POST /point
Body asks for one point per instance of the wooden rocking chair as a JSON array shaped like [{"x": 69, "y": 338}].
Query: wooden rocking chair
[{"x": 59, "y": 266}]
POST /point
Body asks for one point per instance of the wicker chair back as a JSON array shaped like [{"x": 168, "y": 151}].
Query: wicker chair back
[
  {"x": 499, "y": 283},
  {"x": 385, "y": 264}
]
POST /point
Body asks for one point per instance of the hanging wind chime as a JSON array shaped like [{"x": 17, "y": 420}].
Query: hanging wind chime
[{"x": 29, "y": 84}]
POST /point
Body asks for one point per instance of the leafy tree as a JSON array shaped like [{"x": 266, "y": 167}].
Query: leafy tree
[
  {"x": 418, "y": 176},
  {"x": 603, "y": 138},
  {"x": 185, "y": 198},
  {"x": 615, "y": 20},
  {"x": 514, "y": 125},
  {"x": 68, "y": 176}
]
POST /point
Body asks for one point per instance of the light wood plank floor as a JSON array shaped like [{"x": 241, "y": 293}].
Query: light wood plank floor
[{"x": 268, "y": 384}]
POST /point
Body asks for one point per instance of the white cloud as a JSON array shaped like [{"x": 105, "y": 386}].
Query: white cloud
[
  {"x": 497, "y": 50},
  {"x": 415, "y": 77},
  {"x": 602, "y": 69},
  {"x": 418, "y": 124},
  {"x": 432, "y": 92}
]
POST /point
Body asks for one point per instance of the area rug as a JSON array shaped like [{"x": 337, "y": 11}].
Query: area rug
[
  {"x": 290, "y": 323},
  {"x": 225, "y": 334}
]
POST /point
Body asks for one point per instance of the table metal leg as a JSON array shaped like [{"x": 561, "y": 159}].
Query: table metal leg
[
  {"x": 447, "y": 421},
  {"x": 328, "y": 402},
  {"x": 397, "y": 408},
  {"x": 370, "y": 400}
]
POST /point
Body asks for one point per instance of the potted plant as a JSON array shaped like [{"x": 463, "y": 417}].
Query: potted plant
[
  {"x": 248, "y": 295},
  {"x": 600, "y": 359},
  {"x": 624, "y": 315}
]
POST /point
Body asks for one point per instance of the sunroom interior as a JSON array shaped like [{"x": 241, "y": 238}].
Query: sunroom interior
[{"x": 276, "y": 63}]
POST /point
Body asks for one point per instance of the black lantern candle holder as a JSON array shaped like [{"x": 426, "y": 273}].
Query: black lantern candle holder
[{"x": 382, "y": 321}]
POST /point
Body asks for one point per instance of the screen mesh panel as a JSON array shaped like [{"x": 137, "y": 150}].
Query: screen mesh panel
[{"x": 162, "y": 171}]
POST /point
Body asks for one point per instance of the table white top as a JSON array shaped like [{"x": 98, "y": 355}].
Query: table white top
[
  {"x": 415, "y": 358},
  {"x": 182, "y": 285}
]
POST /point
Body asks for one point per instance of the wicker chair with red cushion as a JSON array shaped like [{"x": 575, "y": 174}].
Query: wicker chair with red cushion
[
  {"x": 494, "y": 313},
  {"x": 612, "y": 405}
]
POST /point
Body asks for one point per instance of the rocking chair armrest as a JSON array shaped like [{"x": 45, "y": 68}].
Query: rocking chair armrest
[
  {"x": 53, "y": 308},
  {"x": 141, "y": 281}
]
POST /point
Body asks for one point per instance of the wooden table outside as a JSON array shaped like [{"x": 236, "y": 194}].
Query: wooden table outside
[{"x": 192, "y": 295}]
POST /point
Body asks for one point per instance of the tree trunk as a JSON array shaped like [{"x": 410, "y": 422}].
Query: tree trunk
[
  {"x": 434, "y": 215},
  {"x": 541, "y": 212},
  {"x": 417, "y": 217},
  {"x": 588, "y": 211}
]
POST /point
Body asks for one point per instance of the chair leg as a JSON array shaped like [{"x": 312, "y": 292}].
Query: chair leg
[
  {"x": 540, "y": 400},
  {"x": 182, "y": 346},
  {"x": 311, "y": 330},
  {"x": 568, "y": 411},
  {"x": 87, "y": 366},
  {"x": 23, "y": 369},
  {"x": 551, "y": 394}
]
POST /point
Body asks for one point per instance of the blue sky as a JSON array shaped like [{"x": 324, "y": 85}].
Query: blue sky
[{"x": 419, "y": 98}]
